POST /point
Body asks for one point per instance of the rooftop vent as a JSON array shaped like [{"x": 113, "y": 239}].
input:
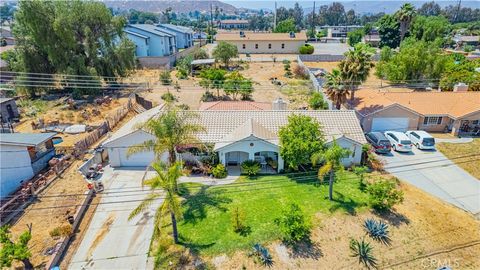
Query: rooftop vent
[
  {"x": 292, "y": 35},
  {"x": 242, "y": 34}
]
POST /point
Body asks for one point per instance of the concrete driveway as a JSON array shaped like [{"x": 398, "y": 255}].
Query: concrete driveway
[
  {"x": 434, "y": 173},
  {"x": 111, "y": 240}
]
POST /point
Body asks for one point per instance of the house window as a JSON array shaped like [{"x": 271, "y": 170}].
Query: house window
[
  {"x": 256, "y": 46},
  {"x": 283, "y": 45},
  {"x": 243, "y": 46},
  {"x": 432, "y": 120},
  {"x": 475, "y": 122},
  {"x": 269, "y": 45}
]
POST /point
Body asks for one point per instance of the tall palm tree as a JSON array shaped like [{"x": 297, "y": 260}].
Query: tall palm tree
[
  {"x": 335, "y": 88},
  {"x": 405, "y": 16},
  {"x": 332, "y": 159},
  {"x": 165, "y": 179},
  {"x": 171, "y": 129},
  {"x": 356, "y": 66}
]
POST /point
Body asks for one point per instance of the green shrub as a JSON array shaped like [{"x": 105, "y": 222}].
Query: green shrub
[
  {"x": 250, "y": 167},
  {"x": 61, "y": 231},
  {"x": 293, "y": 225},
  {"x": 165, "y": 78},
  {"x": 168, "y": 97},
  {"x": 316, "y": 102},
  {"x": 219, "y": 171},
  {"x": 384, "y": 194},
  {"x": 306, "y": 49},
  {"x": 208, "y": 96},
  {"x": 238, "y": 220}
]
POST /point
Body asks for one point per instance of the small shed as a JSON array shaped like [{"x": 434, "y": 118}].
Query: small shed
[
  {"x": 199, "y": 64},
  {"x": 8, "y": 110}
]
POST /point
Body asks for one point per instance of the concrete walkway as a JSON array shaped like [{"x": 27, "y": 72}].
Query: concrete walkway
[
  {"x": 435, "y": 174},
  {"x": 111, "y": 240}
]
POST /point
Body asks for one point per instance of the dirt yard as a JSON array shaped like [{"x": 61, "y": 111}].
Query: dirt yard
[
  {"x": 58, "y": 111},
  {"x": 425, "y": 234},
  {"x": 190, "y": 91}
]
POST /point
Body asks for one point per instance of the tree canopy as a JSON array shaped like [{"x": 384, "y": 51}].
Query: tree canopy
[
  {"x": 389, "y": 30},
  {"x": 224, "y": 52},
  {"x": 286, "y": 26},
  {"x": 71, "y": 37},
  {"x": 430, "y": 28},
  {"x": 299, "y": 139}
]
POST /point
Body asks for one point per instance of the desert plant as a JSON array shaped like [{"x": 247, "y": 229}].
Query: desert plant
[
  {"x": 384, "y": 194},
  {"x": 317, "y": 102},
  {"x": 61, "y": 231},
  {"x": 250, "y": 167},
  {"x": 165, "y": 78},
  {"x": 238, "y": 220},
  {"x": 363, "y": 251},
  {"x": 378, "y": 230},
  {"x": 306, "y": 49},
  {"x": 262, "y": 255},
  {"x": 168, "y": 97},
  {"x": 301, "y": 72},
  {"x": 219, "y": 171},
  {"x": 293, "y": 225}
]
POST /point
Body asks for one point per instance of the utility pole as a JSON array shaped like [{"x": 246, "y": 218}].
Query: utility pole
[
  {"x": 313, "y": 19},
  {"x": 211, "y": 17},
  {"x": 275, "y": 17},
  {"x": 458, "y": 10}
]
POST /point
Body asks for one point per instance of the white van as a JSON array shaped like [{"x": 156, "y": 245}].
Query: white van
[
  {"x": 421, "y": 139},
  {"x": 399, "y": 141}
]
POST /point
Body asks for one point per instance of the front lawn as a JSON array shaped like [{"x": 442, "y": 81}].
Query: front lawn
[
  {"x": 465, "y": 155},
  {"x": 207, "y": 228}
]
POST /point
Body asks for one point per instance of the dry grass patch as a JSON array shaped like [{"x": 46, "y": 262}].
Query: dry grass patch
[{"x": 469, "y": 154}]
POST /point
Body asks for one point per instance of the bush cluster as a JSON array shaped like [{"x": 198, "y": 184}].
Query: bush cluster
[{"x": 307, "y": 49}]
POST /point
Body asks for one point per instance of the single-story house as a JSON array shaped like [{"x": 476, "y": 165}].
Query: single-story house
[
  {"x": 232, "y": 24},
  {"x": 455, "y": 112},
  {"x": 240, "y": 135},
  {"x": 8, "y": 110},
  {"x": 235, "y": 106},
  {"x": 22, "y": 155},
  {"x": 184, "y": 35},
  {"x": 151, "y": 40},
  {"x": 6, "y": 34},
  {"x": 256, "y": 42},
  {"x": 466, "y": 40}
]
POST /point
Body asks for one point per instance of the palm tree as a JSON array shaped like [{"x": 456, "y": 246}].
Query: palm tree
[
  {"x": 332, "y": 158},
  {"x": 405, "y": 16},
  {"x": 166, "y": 179},
  {"x": 356, "y": 66},
  {"x": 335, "y": 88},
  {"x": 171, "y": 129}
]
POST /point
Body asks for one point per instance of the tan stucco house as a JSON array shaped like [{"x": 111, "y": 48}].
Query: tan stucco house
[
  {"x": 257, "y": 42},
  {"x": 455, "y": 112}
]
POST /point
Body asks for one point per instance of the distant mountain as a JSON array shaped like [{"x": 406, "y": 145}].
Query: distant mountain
[{"x": 178, "y": 6}]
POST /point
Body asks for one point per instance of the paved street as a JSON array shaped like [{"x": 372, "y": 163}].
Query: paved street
[
  {"x": 111, "y": 241},
  {"x": 432, "y": 172}
]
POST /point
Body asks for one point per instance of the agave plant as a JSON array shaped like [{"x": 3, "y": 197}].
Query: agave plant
[
  {"x": 363, "y": 251},
  {"x": 378, "y": 230},
  {"x": 262, "y": 255}
]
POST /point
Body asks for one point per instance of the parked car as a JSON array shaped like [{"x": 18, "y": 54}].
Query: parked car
[
  {"x": 400, "y": 142},
  {"x": 379, "y": 142},
  {"x": 421, "y": 139}
]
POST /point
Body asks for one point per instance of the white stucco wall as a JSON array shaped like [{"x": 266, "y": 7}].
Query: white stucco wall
[
  {"x": 355, "y": 157},
  {"x": 291, "y": 46},
  {"x": 15, "y": 167}
]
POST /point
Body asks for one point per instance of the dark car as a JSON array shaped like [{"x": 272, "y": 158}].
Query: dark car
[{"x": 379, "y": 142}]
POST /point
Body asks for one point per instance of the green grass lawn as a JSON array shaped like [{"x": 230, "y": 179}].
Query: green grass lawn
[{"x": 206, "y": 227}]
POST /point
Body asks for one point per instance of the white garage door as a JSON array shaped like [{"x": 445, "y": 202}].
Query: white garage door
[
  {"x": 136, "y": 160},
  {"x": 390, "y": 123}
]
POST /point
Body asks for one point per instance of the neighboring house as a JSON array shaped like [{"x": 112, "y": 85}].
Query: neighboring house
[
  {"x": 22, "y": 155},
  {"x": 151, "y": 40},
  {"x": 232, "y": 24},
  {"x": 338, "y": 32},
  {"x": 256, "y": 42},
  {"x": 8, "y": 110},
  {"x": 240, "y": 135},
  {"x": 461, "y": 40},
  {"x": 455, "y": 112},
  {"x": 373, "y": 38},
  {"x": 6, "y": 34},
  {"x": 184, "y": 35},
  {"x": 199, "y": 35},
  {"x": 235, "y": 106}
]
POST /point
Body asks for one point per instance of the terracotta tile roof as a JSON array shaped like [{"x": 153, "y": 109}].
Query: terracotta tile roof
[
  {"x": 235, "y": 106},
  {"x": 454, "y": 104},
  {"x": 235, "y": 36}
]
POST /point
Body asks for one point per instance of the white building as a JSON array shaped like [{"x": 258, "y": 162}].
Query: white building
[
  {"x": 256, "y": 42},
  {"x": 22, "y": 155},
  {"x": 240, "y": 135}
]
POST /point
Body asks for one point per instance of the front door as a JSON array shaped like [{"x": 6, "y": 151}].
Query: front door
[{"x": 11, "y": 115}]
